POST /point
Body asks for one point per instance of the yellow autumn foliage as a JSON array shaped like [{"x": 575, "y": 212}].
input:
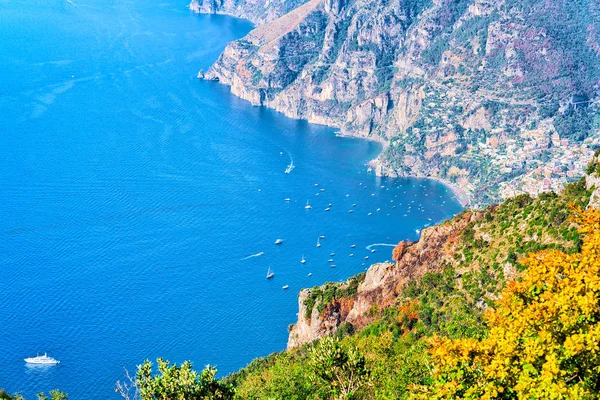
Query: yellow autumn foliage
[{"x": 544, "y": 333}]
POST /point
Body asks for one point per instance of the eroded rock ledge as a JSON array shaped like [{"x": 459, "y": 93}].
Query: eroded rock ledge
[{"x": 383, "y": 282}]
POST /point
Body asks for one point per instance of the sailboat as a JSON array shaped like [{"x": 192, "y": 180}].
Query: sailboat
[
  {"x": 303, "y": 260},
  {"x": 289, "y": 167},
  {"x": 307, "y": 206},
  {"x": 318, "y": 242},
  {"x": 270, "y": 273}
]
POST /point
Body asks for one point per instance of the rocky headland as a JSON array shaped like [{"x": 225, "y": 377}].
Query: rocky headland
[{"x": 495, "y": 97}]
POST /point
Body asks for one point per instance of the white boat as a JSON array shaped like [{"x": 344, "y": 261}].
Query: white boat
[
  {"x": 287, "y": 199},
  {"x": 332, "y": 254},
  {"x": 289, "y": 168},
  {"x": 327, "y": 209},
  {"x": 351, "y": 255},
  {"x": 270, "y": 273},
  {"x": 307, "y": 206},
  {"x": 279, "y": 241},
  {"x": 352, "y": 246},
  {"x": 302, "y": 261},
  {"x": 45, "y": 359},
  {"x": 322, "y": 236},
  {"x": 330, "y": 260},
  {"x": 318, "y": 242},
  {"x": 285, "y": 287},
  {"x": 310, "y": 274}
]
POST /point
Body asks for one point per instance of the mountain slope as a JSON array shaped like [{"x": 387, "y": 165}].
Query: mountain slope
[{"x": 476, "y": 92}]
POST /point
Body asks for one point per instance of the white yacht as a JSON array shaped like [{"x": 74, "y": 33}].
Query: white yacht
[
  {"x": 307, "y": 206},
  {"x": 45, "y": 359},
  {"x": 279, "y": 241},
  {"x": 303, "y": 260},
  {"x": 318, "y": 242},
  {"x": 285, "y": 287}
]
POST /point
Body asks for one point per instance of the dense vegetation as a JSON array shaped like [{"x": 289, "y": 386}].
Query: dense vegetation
[
  {"x": 323, "y": 295},
  {"x": 54, "y": 395}
]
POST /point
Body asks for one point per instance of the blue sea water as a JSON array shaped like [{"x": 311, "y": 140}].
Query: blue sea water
[{"x": 132, "y": 195}]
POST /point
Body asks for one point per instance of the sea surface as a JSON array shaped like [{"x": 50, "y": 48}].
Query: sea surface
[{"x": 139, "y": 206}]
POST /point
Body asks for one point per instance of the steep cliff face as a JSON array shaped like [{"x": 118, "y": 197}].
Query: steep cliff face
[
  {"x": 382, "y": 283},
  {"x": 257, "y": 11},
  {"x": 318, "y": 323},
  {"x": 475, "y": 92},
  {"x": 477, "y": 251},
  {"x": 592, "y": 180}
]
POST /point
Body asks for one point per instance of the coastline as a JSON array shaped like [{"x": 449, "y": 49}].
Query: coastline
[
  {"x": 378, "y": 164},
  {"x": 461, "y": 194}
]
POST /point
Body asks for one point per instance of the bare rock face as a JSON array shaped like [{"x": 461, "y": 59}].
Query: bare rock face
[
  {"x": 319, "y": 324},
  {"x": 257, "y": 11},
  {"x": 593, "y": 181},
  {"x": 383, "y": 282},
  {"x": 450, "y": 88}
]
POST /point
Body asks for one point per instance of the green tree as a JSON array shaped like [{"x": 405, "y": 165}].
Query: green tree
[
  {"x": 175, "y": 382},
  {"x": 341, "y": 369},
  {"x": 54, "y": 395}
]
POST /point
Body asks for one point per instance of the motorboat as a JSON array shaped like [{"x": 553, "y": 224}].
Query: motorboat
[
  {"x": 45, "y": 359},
  {"x": 270, "y": 273}
]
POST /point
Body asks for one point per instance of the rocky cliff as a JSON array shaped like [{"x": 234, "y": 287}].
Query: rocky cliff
[
  {"x": 478, "y": 251},
  {"x": 382, "y": 283},
  {"x": 477, "y": 92},
  {"x": 257, "y": 11}
]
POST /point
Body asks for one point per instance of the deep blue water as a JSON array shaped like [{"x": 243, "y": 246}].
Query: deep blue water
[{"x": 131, "y": 194}]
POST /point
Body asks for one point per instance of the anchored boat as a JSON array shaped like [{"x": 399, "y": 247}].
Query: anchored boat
[{"x": 45, "y": 359}]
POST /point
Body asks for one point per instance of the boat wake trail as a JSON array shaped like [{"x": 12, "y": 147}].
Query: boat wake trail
[
  {"x": 369, "y": 247},
  {"x": 72, "y": 3},
  {"x": 253, "y": 255},
  {"x": 291, "y": 166}
]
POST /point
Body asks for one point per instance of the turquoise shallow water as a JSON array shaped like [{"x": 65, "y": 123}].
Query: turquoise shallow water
[{"x": 132, "y": 194}]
